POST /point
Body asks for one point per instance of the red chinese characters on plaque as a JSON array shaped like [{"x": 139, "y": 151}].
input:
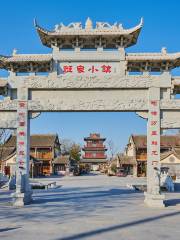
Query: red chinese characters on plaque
[
  {"x": 81, "y": 69},
  {"x": 22, "y": 105},
  {"x": 154, "y": 130}
]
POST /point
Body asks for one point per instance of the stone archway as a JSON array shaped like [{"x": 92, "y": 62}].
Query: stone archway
[{"x": 95, "y": 80}]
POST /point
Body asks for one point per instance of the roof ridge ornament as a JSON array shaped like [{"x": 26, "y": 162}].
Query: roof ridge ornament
[
  {"x": 74, "y": 25},
  {"x": 164, "y": 50},
  {"x": 88, "y": 24},
  {"x": 58, "y": 27},
  {"x": 14, "y": 52}
]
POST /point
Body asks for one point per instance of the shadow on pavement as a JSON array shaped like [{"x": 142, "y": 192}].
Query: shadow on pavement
[
  {"x": 8, "y": 229},
  {"x": 172, "y": 202},
  {"x": 80, "y": 196},
  {"x": 117, "y": 227}
]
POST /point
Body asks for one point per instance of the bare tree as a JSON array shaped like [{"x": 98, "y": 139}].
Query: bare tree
[
  {"x": 120, "y": 159},
  {"x": 4, "y": 135},
  {"x": 71, "y": 148},
  {"x": 75, "y": 152},
  {"x": 112, "y": 148},
  {"x": 66, "y": 145}
]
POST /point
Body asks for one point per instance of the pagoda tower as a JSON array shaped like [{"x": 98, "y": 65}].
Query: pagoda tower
[{"x": 94, "y": 151}]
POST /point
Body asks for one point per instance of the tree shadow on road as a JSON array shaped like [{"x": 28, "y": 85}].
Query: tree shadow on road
[
  {"x": 72, "y": 202},
  {"x": 96, "y": 232},
  {"x": 81, "y": 196},
  {"x": 8, "y": 229}
]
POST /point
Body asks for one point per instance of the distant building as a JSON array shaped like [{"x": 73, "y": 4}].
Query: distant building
[
  {"x": 128, "y": 163},
  {"x": 64, "y": 164},
  {"x": 8, "y": 164},
  {"x": 171, "y": 160},
  {"x": 44, "y": 148},
  {"x": 170, "y": 153},
  {"x": 94, "y": 151}
]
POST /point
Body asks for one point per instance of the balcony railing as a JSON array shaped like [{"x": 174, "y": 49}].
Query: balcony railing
[
  {"x": 42, "y": 155},
  {"x": 141, "y": 156},
  {"x": 94, "y": 146},
  {"x": 92, "y": 157}
]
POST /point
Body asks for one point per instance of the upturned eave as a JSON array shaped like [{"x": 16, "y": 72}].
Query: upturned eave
[
  {"x": 26, "y": 62},
  {"x": 58, "y": 38},
  {"x": 156, "y": 62}
]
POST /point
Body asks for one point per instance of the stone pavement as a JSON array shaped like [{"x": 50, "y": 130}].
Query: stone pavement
[{"x": 89, "y": 207}]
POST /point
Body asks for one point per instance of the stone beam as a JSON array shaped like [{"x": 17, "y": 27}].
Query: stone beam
[
  {"x": 89, "y": 100},
  {"x": 93, "y": 105},
  {"x": 8, "y": 120},
  {"x": 8, "y": 105},
  {"x": 111, "y": 100},
  {"x": 171, "y": 104},
  {"x": 170, "y": 119},
  {"x": 91, "y": 56},
  {"x": 170, "y": 123},
  {"x": 72, "y": 81}
]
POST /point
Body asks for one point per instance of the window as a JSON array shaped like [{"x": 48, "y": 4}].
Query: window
[{"x": 94, "y": 154}]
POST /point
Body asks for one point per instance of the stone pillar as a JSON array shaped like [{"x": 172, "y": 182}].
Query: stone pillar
[
  {"x": 51, "y": 167},
  {"x": 153, "y": 197},
  {"x": 23, "y": 191},
  {"x": 135, "y": 170}
]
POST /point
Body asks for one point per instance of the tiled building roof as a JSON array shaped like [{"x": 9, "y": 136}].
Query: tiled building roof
[
  {"x": 63, "y": 159},
  {"x": 27, "y": 62},
  {"x": 124, "y": 159},
  {"x": 152, "y": 56},
  {"x": 105, "y": 30},
  {"x": 39, "y": 140},
  {"x": 5, "y": 152},
  {"x": 175, "y": 151},
  {"x": 167, "y": 141},
  {"x": 94, "y": 136},
  {"x": 26, "y": 58}
]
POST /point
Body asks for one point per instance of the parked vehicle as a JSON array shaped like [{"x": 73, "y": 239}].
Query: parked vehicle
[{"x": 121, "y": 173}]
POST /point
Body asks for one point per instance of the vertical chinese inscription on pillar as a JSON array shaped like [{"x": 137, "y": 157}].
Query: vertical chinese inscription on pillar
[
  {"x": 21, "y": 134},
  {"x": 154, "y": 132}
]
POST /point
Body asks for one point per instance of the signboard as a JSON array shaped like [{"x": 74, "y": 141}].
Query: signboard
[{"x": 21, "y": 131}]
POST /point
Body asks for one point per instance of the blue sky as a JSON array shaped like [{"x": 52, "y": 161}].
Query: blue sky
[{"x": 161, "y": 28}]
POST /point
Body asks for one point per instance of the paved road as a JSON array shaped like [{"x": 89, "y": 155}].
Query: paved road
[{"x": 89, "y": 207}]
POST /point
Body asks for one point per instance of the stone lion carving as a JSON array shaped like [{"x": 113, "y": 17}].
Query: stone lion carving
[{"x": 156, "y": 186}]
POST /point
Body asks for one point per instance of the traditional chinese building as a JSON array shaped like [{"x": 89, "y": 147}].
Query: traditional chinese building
[
  {"x": 169, "y": 151},
  {"x": 94, "y": 151},
  {"x": 64, "y": 165},
  {"x": 44, "y": 148},
  {"x": 8, "y": 164}
]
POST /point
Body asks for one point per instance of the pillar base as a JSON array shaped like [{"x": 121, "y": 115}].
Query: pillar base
[
  {"x": 154, "y": 200},
  {"x": 21, "y": 199}
]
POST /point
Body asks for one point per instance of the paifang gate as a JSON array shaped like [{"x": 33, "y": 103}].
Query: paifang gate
[{"x": 89, "y": 70}]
